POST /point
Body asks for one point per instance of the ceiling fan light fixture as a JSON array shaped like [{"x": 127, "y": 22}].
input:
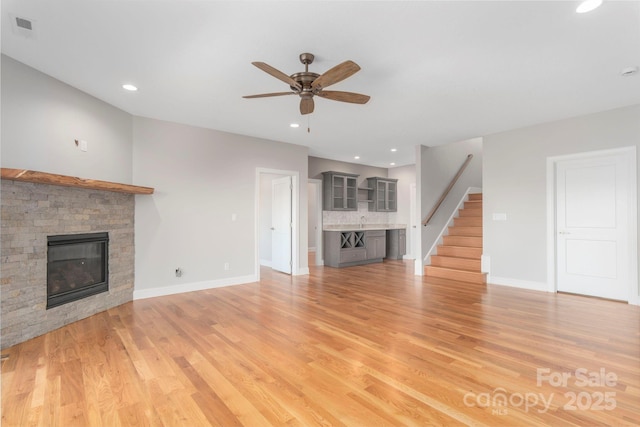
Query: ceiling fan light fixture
[
  {"x": 307, "y": 84},
  {"x": 356, "y": 157},
  {"x": 588, "y": 6}
]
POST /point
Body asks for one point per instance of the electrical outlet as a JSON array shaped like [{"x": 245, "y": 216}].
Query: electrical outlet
[
  {"x": 178, "y": 272},
  {"x": 499, "y": 216},
  {"x": 226, "y": 266}
]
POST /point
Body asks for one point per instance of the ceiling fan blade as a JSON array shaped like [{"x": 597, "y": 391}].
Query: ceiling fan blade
[
  {"x": 277, "y": 74},
  {"x": 336, "y": 95},
  {"x": 264, "y": 95},
  {"x": 335, "y": 74},
  {"x": 306, "y": 105}
]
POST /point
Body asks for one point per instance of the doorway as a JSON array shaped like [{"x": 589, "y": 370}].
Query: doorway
[
  {"x": 595, "y": 224},
  {"x": 277, "y": 200}
]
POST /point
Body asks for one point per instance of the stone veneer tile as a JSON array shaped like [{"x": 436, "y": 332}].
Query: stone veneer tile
[{"x": 31, "y": 212}]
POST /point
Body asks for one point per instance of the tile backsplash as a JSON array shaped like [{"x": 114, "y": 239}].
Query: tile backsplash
[{"x": 354, "y": 217}]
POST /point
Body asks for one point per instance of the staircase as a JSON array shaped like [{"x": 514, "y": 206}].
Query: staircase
[{"x": 458, "y": 257}]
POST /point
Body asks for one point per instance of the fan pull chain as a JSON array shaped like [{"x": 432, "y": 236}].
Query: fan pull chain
[{"x": 308, "y": 125}]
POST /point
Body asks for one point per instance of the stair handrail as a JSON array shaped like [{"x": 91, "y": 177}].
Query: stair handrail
[{"x": 447, "y": 190}]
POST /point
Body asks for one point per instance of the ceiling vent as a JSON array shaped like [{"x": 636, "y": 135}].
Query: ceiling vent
[{"x": 23, "y": 27}]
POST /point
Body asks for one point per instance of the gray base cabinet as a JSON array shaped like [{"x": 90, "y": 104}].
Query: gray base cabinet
[
  {"x": 396, "y": 243},
  {"x": 375, "y": 244},
  {"x": 347, "y": 248}
]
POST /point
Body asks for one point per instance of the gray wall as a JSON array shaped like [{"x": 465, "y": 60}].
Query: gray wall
[
  {"x": 514, "y": 174},
  {"x": 439, "y": 166},
  {"x": 41, "y": 118},
  {"x": 202, "y": 177}
]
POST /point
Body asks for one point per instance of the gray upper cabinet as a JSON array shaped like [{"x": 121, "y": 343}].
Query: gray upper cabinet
[
  {"x": 339, "y": 191},
  {"x": 384, "y": 197}
]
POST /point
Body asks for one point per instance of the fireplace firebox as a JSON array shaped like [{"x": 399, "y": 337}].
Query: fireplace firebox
[{"x": 77, "y": 267}]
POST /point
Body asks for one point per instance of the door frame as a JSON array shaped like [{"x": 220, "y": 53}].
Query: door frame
[
  {"x": 295, "y": 219},
  {"x": 629, "y": 154}
]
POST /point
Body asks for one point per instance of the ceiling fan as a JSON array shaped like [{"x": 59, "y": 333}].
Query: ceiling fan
[{"x": 307, "y": 84}]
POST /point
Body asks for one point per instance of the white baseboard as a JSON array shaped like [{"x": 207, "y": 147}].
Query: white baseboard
[
  {"x": 517, "y": 283},
  {"x": 265, "y": 262},
  {"x": 190, "y": 287},
  {"x": 302, "y": 271}
]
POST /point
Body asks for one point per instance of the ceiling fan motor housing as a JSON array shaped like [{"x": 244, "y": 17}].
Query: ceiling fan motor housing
[{"x": 304, "y": 78}]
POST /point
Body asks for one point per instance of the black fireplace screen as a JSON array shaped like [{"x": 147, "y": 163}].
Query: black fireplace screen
[{"x": 77, "y": 267}]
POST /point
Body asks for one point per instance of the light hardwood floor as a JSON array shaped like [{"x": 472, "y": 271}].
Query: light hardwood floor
[{"x": 363, "y": 346}]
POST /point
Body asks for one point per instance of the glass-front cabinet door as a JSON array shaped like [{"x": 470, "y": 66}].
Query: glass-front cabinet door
[
  {"x": 385, "y": 194},
  {"x": 340, "y": 191}
]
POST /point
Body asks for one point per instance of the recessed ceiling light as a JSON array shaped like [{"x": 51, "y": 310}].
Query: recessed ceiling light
[
  {"x": 588, "y": 6},
  {"x": 129, "y": 87},
  {"x": 393, "y": 150},
  {"x": 629, "y": 71},
  {"x": 294, "y": 125},
  {"x": 392, "y": 164},
  {"x": 356, "y": 157}
]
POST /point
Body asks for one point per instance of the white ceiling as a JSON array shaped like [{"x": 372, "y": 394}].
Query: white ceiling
[{"x": 437, "y": 72}]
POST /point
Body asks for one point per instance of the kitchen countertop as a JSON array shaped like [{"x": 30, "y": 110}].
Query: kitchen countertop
[{"x": 357, "y": 227}]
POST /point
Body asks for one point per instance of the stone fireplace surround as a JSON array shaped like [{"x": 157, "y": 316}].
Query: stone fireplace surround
[{"x": 29, "y": 213}]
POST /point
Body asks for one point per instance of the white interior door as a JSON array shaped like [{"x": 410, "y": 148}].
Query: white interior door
[
  {"x": 281, "y": 224},
  {"x": 592, "y": 226}
]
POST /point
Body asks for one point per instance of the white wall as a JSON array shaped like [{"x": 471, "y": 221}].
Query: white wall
[
  {"x": 514, "y": 175},
  {"x": 202, "y": 177},
  {"x": 406, "y": 176},
  {"x": 439, "y": 165},
  {"x": 41, "y": 118}
]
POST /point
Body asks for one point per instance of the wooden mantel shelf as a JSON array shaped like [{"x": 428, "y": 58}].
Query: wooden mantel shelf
[{"x": 71, "y": 181}]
